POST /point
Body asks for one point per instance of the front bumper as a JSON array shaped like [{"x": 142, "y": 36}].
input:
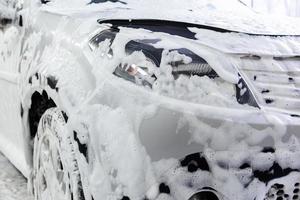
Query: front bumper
[
  {"x": 207, "y": 172},
  {"x": 239, "y": 159},
  {"x": 245, "y": 153}
]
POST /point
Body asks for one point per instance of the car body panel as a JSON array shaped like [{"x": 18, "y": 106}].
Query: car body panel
[
  {"x": 12, "y": 143},
  {"x": 56, "y": 57}
]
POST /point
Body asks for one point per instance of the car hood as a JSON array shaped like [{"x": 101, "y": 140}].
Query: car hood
[{"x": 231, "y": 15}]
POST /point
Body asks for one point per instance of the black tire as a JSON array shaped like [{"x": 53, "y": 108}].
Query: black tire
[{"x": 55, "y": 169}]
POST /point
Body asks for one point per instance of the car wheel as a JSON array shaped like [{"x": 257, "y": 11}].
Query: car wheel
[{"x": 55, "y": 174}]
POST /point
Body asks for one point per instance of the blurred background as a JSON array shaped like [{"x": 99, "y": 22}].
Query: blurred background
[{"x": 278, "y": 7}]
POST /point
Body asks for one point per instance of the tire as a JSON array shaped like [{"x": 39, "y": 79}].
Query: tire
[{"x": 55, "y": 169}]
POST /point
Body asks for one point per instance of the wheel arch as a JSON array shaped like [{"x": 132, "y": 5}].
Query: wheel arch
[
  {"x": 40, "y": 102},
  {"x": 41, "y": 94},
  {"x": 37, "y": 93}
]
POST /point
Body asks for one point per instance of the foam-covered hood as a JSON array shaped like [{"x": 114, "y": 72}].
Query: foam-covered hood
[{"x": 229, "y": 14}]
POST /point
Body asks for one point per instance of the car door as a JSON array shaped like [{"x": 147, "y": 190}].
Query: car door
[{"x": 11, "y": 139}]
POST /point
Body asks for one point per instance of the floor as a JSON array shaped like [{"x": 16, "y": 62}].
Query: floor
[{"x": 13, "y": 186}]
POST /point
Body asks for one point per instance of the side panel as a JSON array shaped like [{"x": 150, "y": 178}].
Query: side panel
[
  {"x": 11, "y": 137},
  {"x": 52, "y": 60}
]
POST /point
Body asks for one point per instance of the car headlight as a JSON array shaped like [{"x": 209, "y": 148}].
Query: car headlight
[
  {"x": 136, "y": 73},
  {"x": 141, "y": 73}
]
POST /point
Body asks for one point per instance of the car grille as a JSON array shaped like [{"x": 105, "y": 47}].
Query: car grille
[{"x": 275, "y": 82}]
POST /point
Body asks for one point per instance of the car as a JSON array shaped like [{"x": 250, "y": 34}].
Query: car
[{"x": 132, "y": 99}]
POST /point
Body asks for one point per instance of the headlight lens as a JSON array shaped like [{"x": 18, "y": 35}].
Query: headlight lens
[
  {"x": 140, "y": 75},
  {"x": 185, "y": 62}
]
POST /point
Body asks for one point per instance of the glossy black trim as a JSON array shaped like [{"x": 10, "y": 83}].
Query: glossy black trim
[
  {"x": 162, "y": 24},
  {"x": 171, "y": 27}
]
